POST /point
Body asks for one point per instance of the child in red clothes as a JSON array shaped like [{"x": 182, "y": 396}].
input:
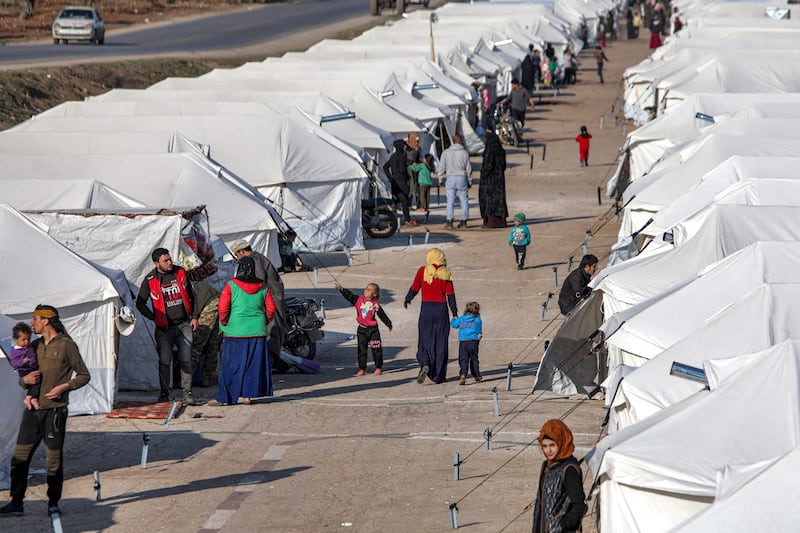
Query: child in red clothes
[
  {"x": 368, "y": 311},
  {"x": 583, "y": 145}
]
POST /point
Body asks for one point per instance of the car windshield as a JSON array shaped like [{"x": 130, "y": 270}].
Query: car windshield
[{"x": 76, "y": 14}]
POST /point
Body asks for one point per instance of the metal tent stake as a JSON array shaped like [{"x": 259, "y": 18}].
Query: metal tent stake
[
  {"x": 145, "y": 445},
  {"x": 586, "y": 238},
  {"x": 494, "y": 399},
  {"x": 508, "y": 376},
  {"x": 569, "y": 263},
  {"x": 544, "y": 309},
  {"x": 427, "y": 235},
  {"x": 410, "y": 242},
  {"x": 97, "y": 485},
  {"x": 349, "y": 256},
  {"x": 555, "y": 275},
  {"x": 171, "y": 412},
  {"x": 488, "y": 434},
  {"x": 457, "y": 467},
  {"x": 599, "y": 197},
  {"x": 602, "y": 121},
  {"x": 55, "y": 518},
  {"x": 454, "y": 515}
]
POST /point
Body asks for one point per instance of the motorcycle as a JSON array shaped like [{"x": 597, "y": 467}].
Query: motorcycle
[
  {"x": 507, "y": 128},
  {"x": 304, "y": 320},
  {"x": 378, "y": 219}
]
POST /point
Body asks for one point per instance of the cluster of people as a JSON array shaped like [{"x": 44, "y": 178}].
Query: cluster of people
[{"x": 654, "y": 15}]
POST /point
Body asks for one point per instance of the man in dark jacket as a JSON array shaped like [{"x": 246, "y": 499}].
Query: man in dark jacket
[
  {"x": 396, "y": 170},
  {"x": 206, "y": 339},
  {"x": 175, "y": 315},
  {"x": 576, "y": 286}
]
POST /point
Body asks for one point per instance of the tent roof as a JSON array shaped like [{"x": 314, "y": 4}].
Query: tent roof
[
  {"x": 26, "y": 194},
  {"x": 354, "y": 95},
  {"x": 264, "y": 153}
]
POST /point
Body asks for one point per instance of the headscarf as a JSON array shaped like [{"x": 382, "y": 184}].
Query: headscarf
[
  {"x": 247, "y": 271},
  {"x": 436, "y": 266},
  {"x": 50, "y": 313},
  {"x": 558, "y": 432}
]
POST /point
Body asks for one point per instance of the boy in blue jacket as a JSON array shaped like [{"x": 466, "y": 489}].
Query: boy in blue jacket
[{"x": 470, "y": 332}]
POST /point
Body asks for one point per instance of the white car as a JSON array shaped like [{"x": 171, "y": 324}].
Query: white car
[{"x": 79, "y": 24}]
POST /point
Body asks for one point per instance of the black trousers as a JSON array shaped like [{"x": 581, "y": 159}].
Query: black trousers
[
  {"x": 369, "y": 337},
  {"x": 519, "y": 253},
  {"x": 468, "y": 358},
  {"x": 403, "y": 200},
  {"x": 518, "y": 114},
  {"x": 49, "y": 425}
]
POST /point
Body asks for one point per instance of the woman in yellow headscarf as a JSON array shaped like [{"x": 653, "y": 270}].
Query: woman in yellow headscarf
[
  {"x": 560, "y": 500},
  {"x": 436, "y": 283}
]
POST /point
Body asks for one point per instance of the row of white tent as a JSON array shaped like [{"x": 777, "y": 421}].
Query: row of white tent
[
  {"x": 704, "y": 278},
  {"x": 94, "y": 186}
]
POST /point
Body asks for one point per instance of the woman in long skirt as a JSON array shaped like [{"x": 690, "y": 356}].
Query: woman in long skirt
[
  {"x": 245, "y": 308},
  {"x": 436, "y": 283}
]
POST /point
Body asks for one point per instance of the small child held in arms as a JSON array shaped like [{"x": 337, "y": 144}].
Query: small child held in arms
[
  {"x": 23, "y": 358},
  {"x": 470, "y": 333},
  {"x": 519, "y": 239},
  {"x": 583, "y": 145},
  {"x": 368, "y": 310}
]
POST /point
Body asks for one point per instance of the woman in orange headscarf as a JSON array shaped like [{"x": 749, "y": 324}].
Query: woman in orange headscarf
[
  {"x": 560, "y": 500},
  {"x": 436, "y": 283}
]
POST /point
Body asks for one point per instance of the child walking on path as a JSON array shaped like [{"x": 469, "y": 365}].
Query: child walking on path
[
  {"x": 23, "y": 358},
  {"x": 519, "y": 239},
  {"x": 470, "y": 332},
  {"x": 367, "y": 309},
  {"x": 424, "y": 181},
  {"x": 583, "y": 145}
]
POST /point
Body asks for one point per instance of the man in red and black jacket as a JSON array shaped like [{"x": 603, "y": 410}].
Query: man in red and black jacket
[{"x": 175, "y": 315}]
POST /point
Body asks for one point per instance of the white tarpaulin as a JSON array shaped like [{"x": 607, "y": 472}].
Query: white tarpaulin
[
  {"x": 85, "y": 298},
  {"x": 661, "y": 472}
]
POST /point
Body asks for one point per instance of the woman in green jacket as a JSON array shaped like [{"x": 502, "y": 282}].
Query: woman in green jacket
[{"x": 245, "y": 308}]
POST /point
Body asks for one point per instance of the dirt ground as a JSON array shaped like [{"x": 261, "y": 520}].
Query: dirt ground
[{"x": 337, "y": 452}]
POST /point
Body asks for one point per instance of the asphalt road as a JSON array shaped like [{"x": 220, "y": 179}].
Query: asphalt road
[{"x": 214, "y": 33}]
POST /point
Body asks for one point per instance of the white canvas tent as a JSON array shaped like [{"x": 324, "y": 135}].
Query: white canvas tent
[
  {"x": 174, "y": 180},
  {"x": 86, "y": 300},
  {"x": 660, "y": 472},
  {"x": 757, "y": 177},
  {"x": 62, "y": 194},
  {"x": 312, "y": 185},
  {"x": 764, "y": 500},
  {"x": 646, "y": 145},
  {"x": 752, "y": 321},
  {"x": 679, "y": 172},
  {"x": 728, "y": 228},
  {"x": 353, "y": 95},
  {"x": 11, "y": 395}
]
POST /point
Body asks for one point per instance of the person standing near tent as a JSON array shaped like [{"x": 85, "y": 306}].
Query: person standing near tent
[
  {"x": 583, "y": 139},
  {"x": 396, "y": 169},
  {"x": 175, "y": 315},
  {"x": 560, "y": 500},
  {"x": 59, "y": 359},
  {"x": 206, "y": 339},
  {"x": 456, "y": 168},
  {"x": 245, "y": 308},
  {"x": 266, "y": 272},
  {"x": 576, "y": 286},
  {"x": 519, "y": 98},
  {"x": 600, "y": 57},
  {"x": 436, "y": 283},
  {"x": 492, "y": 191}
]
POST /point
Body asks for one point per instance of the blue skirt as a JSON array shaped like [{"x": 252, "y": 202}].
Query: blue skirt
[
  {"x": 244, "y": 369},
  {"x": 434, "y": 330}
]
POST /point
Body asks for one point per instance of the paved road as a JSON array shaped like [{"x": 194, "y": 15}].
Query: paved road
[{"x": 220, "y": 32}]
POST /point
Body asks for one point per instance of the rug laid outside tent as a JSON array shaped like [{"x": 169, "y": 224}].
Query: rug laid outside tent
[{"x": 152, "y": 411}]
